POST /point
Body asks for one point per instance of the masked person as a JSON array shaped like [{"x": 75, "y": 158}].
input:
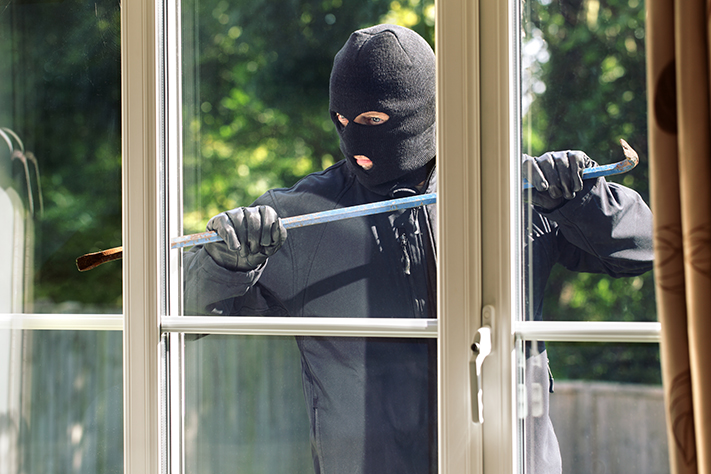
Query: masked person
[{"x": 372, "y": 401}]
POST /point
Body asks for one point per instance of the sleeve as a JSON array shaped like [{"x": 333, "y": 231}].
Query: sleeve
[
  {"x": 605, "y": 230},
  {"x": 206, "y": 284}
]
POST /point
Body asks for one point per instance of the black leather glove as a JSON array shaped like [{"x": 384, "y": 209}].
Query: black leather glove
[
  {"x": 250, "y": 235},
  {"x": 556, "y": 176}
]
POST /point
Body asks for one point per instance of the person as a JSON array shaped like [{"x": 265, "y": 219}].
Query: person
[{"x": 372, "y": 401}]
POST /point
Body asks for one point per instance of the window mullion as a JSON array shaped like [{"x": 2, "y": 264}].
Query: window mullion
[
  {"x": 459, "y": 286},
  {"x": 141, "y": 236},
  {"x": 62, "y": 322},
  {"x": 499, "y": 237},
  {"x": 588, "y": 331}
]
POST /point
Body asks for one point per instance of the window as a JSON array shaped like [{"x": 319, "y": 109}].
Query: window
[
  {"x": 583, "y": 87},
  {"x": 145, "y": 233},
  {"x": 479, "y": 130},
  {"x": 60, "y": 197}
]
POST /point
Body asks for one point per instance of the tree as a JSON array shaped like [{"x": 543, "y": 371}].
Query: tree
[
  {"x": 587, "y": 89},
  {"x": 257, "y": 108}
]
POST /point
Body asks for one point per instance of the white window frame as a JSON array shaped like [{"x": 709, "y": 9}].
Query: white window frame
[
  {"x": 462, "y": 264},
  {"x": 477, "y": 263},
  {"x": 143, "y": 259}
]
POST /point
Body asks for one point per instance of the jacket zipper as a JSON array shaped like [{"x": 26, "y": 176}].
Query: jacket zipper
[{"x": 405, "y": 252}]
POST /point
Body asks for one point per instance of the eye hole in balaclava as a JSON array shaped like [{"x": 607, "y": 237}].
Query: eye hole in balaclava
[{"x": 389, "y": 69}]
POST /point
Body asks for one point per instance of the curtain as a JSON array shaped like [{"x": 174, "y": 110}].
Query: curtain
[{"x": 679, "y": 86}]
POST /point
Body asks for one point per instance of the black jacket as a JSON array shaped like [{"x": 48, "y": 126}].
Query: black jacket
[{"x": 373, "y": 401}]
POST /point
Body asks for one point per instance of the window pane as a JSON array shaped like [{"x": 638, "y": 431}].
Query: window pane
[
  {"x": 587, "y": 247},
  {"x": 256, "y": 117},
  {"x": 583, "y": 88},
  {"x": 264, "y": 404},
  {"x": 61, "y": 406},
  {"x": 256, "y": 101},
  {"x": 60, "y": 186},
  {"x": 60, "y": 197}
]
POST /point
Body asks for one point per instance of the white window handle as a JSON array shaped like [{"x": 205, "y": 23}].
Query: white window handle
[{"x": 481, "y": 348}]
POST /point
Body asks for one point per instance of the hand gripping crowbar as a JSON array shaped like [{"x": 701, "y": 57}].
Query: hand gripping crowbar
[
  {"x": 92, "y": 260},
  {"x": 630, "y": 161}
]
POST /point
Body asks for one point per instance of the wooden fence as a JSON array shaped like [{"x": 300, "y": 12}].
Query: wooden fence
[{"x": 245, "y": 411}]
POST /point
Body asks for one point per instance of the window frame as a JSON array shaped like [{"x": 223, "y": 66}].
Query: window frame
[
  {"x": 141, "y": 235},
  {"x": 145, "y": 242},
  {"x": 478, "y": 260}
]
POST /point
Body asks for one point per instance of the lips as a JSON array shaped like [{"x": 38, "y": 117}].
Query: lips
[{"x": 363, "y": 162}]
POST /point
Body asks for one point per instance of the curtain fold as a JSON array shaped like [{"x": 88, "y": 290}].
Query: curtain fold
[{"x": 679, "y": 92}]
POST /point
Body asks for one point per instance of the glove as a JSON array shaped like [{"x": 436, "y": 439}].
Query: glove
[
  {"x": 555, "y": 176},
  {"x": 250, "y": 236}
]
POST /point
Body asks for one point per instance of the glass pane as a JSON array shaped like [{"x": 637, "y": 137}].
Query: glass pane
[
  {"x": 587, "y": 247},
  {"x": 266, "y": 405},
  {"x": 61, "y": 404},
  {"x": 60, "y": 197},
  {"x": 257, "y": 118},
  {"x": 607, "y": 408},
  {"x": 244, "y": 406},
  {"x": 583, "y": 88},
  {"x": 256, "y": 97},
  {"x": 60, "y": 155}
]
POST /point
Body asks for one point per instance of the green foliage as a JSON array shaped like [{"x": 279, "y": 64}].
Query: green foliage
[
  {"x": 61, "y": 87},
  {"x": 588, "y": 90},
  {"x": 256, "y": 111},
  {"x": 255, "y": 90},
  {"x": 595, "y": 80},
  {"x": 589, "y": 297},
  {"x": 255, "y": 80},
  {"x": 624, "y": 363}
]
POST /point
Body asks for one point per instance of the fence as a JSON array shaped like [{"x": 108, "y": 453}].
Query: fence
[
  {"x": 610, "y": 428},
  {"x": 245, "y": 408}
]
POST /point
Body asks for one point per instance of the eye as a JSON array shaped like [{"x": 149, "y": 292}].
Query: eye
[
  {"x": 372, "y": 118},
  {"x": 343, "y": 121}
]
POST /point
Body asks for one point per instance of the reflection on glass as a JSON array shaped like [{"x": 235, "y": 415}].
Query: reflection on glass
[
  {"x": 61, "y": 405},
  {"x": 244, "y": 406},
  {"x": 587, "y": 246},
  {"x": 607, "y": 408},
  {"x": 60, "y": 197},
  {"x": 583, "y": 88},
  {"x": 60, "y": 155}
]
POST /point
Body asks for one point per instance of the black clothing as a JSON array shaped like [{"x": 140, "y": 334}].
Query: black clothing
[
  {"x": 373, "y": 401},
  {"x": 607, "y": 228}
]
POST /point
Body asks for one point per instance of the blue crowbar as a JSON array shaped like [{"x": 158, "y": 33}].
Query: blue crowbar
[
  {"x": 92, "y": 260},
  {"x": 320, "y": 217}
]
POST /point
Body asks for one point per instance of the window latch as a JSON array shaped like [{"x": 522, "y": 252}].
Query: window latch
[{"x": 481, "y": 348}]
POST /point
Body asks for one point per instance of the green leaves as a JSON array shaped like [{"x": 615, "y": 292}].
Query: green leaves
[
  {"x": 593, "y": 92},
  {"x": 258, "y": 114}
]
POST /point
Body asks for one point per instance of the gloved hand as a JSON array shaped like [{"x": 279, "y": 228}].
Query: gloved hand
[
  {"x": 556, "y": 176},
  {"x": 250, "y": 235}
]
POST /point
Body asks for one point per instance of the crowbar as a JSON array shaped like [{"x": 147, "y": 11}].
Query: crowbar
[{"x": 92, "y": 260}]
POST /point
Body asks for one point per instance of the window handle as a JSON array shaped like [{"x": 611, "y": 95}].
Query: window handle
[{"x": 481, "y": 348}]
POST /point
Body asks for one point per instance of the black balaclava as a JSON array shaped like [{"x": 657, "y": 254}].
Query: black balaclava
[{"x": 390, "y": 69}]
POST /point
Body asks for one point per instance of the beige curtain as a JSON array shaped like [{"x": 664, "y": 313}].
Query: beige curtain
[{"x": 679, "y": 85}]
